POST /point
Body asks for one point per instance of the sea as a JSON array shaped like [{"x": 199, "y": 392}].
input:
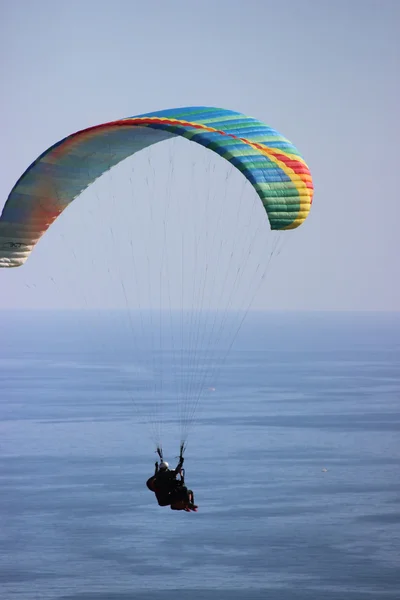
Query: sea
[{"x": 293, "y": 454}]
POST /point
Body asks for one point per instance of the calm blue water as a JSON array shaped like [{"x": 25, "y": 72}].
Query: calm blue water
[{"x": 298, "y": 394}]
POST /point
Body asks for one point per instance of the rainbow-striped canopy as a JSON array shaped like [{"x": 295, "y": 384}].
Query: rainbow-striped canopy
[{"x": 268, "y": 160}]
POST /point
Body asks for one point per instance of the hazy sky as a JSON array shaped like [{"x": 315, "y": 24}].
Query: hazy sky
[{"x": 326, "y": 74}]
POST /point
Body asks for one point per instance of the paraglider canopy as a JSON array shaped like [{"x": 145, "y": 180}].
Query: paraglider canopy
[{"x": 268, "y": 160}]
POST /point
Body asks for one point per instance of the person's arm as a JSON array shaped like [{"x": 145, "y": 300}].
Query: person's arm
[
  {"x": 179, "y": 466},
  {"x": 156, "y": 468}
]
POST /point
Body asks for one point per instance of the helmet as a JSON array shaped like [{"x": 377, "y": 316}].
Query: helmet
[{"x": 164, "y": 465}]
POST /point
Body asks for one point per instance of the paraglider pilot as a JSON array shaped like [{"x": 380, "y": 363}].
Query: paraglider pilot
[{"x": 169, "y": 490}]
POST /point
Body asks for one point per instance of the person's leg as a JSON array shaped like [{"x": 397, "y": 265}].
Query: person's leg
[{"x": 191, "y": 504}]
